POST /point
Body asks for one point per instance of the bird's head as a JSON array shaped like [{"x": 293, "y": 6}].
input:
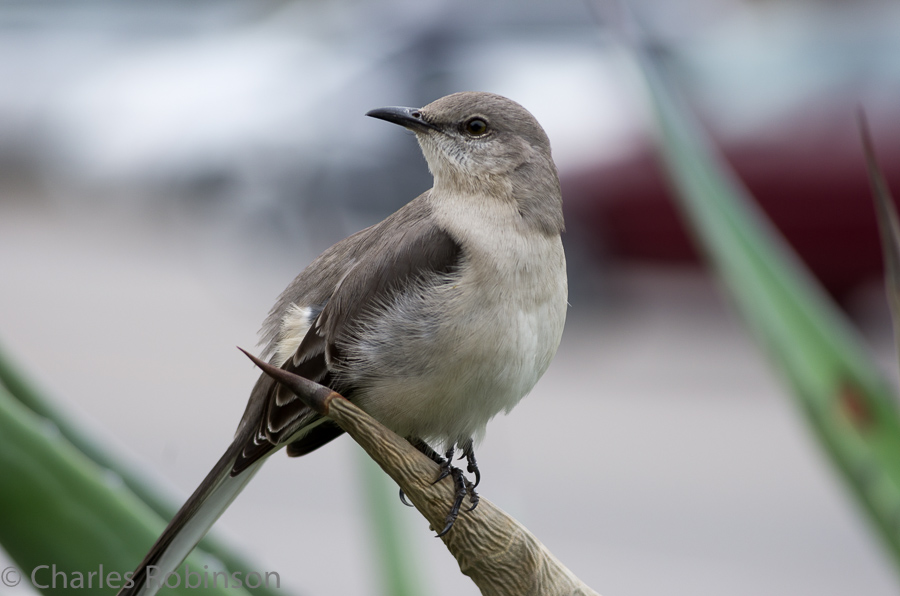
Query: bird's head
[{"x": 484, "y": 143}]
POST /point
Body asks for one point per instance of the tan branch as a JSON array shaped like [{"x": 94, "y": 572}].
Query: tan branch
[{"x": 498, "y": 553}]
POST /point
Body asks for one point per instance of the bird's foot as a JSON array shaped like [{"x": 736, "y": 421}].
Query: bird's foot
[
  {"x": 460, "y": 482},
  {"x": 463, "y": 486},
  {"x": 473, "y": 496},
  {"x": 427, "y": 450},
  {"x": 472, "y": 465},
  {"x": 403, "y": 499},
  {"x": 472, "y": 468},
  {"x": 446, "y": 464},
  {"x": 433, "y": 456}
]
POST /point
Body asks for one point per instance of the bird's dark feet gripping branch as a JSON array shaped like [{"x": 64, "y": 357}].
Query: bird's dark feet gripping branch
[{"x": 462, "y": 484}]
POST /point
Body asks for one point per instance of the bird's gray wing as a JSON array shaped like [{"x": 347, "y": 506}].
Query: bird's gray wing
[
  {"x": 341, "y": 285},
  {"x": 345, "y": 283}
]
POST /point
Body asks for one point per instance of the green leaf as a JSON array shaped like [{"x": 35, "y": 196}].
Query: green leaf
[
  {"x": 888, "y": 226},
  {"x": 834, "y": 381},
  {"x": 53, "y": 415},
  {"x": 65, "y": 518}
]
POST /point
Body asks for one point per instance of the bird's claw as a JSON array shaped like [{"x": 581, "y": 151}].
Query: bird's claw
[
  {"x": 463, "y": 485},
  {"x": 403, "y": 499},
  {"x": 471, "y": 464},
  {"x": 473, "y": 496},
  {"x": 446, "y": 466},
  {"x": 460, "y": 481}
]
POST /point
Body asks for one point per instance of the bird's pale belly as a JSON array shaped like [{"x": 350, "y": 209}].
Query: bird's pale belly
[{"x": 489, "y": 360}]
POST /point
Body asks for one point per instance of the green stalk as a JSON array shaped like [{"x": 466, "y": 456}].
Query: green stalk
[
  {"x": 397, "y": 564},
  {"x": 833, "y": 380},
  {"x": 888, "y": 227}
]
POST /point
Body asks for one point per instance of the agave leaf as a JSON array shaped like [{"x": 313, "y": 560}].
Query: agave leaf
[
  {"x": 65, "y": 518},
  {"x": 69, "y": 442},
  {"x": 888, "y": 225},
  {"x": 834, "y": 382}
]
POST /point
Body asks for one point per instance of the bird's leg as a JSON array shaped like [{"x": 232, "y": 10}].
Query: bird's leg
[
  {"x": 432, "y": 454},
  {"x": 472, "y": 465},
  {"x": 427, "y": 450},
  {"x": 446, "y": 465},
  {"x": 462, "y": 485},
  {"x": 472, "y": 468},
  {"x": 460, "y": 481}
]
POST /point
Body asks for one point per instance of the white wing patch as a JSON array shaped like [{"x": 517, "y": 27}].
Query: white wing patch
[{"x": 294, "y": 325}]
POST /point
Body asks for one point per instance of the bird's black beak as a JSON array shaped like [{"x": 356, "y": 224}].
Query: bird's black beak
[{"x": 410, "y": 118}]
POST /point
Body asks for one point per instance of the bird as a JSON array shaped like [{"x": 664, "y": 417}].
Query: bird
[{"x": 433, "y": 321}]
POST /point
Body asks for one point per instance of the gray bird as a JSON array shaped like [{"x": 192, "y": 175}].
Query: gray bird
[{"x": 432, "y": 321}]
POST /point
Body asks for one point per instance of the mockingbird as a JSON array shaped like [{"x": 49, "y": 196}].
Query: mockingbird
[{"x": 433, "y": 321}]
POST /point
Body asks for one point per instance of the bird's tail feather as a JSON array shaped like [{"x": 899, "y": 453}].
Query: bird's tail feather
[{"x": 190, "y": 524}]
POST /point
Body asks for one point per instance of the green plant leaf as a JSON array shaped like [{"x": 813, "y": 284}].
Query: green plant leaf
[
  {"x": 127, "y": 473},
  {"x": 888, "y": 226},
  {"x": 65, "y": 518},
  {"x": 834, "y": 381}
]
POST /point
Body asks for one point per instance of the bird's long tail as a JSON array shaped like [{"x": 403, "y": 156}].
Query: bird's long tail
[{"x": 190, "y": 524}]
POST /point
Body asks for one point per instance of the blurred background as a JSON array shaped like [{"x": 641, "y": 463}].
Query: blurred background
[{"x": 167, "y": 168}]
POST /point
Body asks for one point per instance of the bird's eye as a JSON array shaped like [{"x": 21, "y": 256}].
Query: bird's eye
[{"x": 476, "y": 127}]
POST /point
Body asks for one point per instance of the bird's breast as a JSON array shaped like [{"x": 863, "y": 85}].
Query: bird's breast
[{"x": 475, "y": 342}]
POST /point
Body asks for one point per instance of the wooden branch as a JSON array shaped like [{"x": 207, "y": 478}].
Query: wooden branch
[{"x": 498, "y": 553}]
